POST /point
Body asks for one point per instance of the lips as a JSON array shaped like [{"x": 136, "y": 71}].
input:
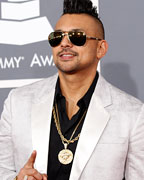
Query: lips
[{"x": 66, "y": 56}]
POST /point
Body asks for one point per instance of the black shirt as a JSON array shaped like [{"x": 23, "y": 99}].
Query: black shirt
[{"x": 56, "y": 170}]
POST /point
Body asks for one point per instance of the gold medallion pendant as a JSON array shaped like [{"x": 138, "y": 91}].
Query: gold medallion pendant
[{"x": 65, "y": 156}]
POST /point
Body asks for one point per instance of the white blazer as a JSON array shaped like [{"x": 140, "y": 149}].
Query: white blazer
[{"x": 111, "y": 143}]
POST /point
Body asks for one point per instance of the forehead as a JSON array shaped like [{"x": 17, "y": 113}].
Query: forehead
[{"x": 68, "y": 22}]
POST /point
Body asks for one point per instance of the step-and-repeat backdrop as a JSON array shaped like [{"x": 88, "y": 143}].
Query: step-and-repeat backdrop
[{"x": 25, "y": 55}]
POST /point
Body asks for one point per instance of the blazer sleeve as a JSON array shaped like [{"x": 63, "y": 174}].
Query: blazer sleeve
[
  {"x": 7, "y": 165},
  {"x": 135, "y": 157}
]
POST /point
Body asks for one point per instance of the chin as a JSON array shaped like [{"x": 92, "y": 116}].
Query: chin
[{"x": 67, "y": 69}]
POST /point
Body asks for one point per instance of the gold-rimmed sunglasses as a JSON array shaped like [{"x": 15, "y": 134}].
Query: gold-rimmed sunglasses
[{"x": 77, "y": 38}]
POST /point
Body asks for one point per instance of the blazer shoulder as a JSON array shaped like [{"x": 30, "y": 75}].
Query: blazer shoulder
[
  {"x": 125, "y": 102},
  {"x": 124, "y": 96},
  {"x": 35, "y": 88},
  {"x": 108, "y": 92}
]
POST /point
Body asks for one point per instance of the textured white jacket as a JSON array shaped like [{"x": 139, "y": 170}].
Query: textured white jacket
[{"x": 111, "y": 143}]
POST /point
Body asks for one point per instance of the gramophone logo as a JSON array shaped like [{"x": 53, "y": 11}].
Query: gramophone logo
[{"x": 21, "y": 23}]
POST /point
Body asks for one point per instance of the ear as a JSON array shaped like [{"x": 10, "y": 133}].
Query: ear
[{"x": 102, "y": 48}]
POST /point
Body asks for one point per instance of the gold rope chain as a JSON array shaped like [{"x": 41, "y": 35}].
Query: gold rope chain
[{"x": 57, "y": 123}]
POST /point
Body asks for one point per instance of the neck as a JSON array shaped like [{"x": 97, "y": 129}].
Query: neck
[{"x": 74, "y": 87}]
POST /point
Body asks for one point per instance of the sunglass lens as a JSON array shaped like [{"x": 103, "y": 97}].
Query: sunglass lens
[
  {"x": 55, "y": 38},
  {"x": 77, "y": 38}
]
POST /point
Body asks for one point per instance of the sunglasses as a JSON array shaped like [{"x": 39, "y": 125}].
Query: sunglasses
[{"x": 77, "y": 38}]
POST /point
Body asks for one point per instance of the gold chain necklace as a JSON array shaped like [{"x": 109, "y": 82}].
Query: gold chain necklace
[{"x": 65, "y": 156}]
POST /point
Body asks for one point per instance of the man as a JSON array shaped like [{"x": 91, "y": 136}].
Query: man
[{"x": 81, "y": 127}]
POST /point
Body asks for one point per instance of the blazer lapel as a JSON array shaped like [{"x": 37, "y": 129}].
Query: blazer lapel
[
  {"x": 40, "y": 125},
  {"x": 95, "y": 122}
]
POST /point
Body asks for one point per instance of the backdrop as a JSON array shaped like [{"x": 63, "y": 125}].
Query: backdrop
[
  {"x": 25, "y": 55},
  {"x": 123, "y": 65}
]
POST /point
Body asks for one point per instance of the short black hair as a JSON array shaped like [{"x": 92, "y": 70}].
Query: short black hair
[{"x": 80, "y": 7}]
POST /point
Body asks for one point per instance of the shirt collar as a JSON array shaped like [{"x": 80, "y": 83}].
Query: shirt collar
[{"x": 85, "y": 100}]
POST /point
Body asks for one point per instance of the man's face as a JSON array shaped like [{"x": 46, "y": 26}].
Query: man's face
[{"x": 70, "y": 58}]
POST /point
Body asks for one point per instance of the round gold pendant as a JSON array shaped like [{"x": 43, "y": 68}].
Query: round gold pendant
[{"x": 65, "y": 156}]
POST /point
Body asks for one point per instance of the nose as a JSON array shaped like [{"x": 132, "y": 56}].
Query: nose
[{"x": 65, "y": 41}]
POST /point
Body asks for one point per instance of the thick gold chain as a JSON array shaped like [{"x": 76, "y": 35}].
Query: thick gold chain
[{"x": 57, "y": 123}]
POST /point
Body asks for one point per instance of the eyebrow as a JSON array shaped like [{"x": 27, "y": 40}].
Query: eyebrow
[{"x": 57, "y": 30}]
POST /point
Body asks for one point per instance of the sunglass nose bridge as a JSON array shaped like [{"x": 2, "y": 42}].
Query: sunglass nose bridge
[{"x": 66, "y": 33}]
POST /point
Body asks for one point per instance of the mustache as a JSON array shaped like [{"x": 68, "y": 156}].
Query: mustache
[{"x": 67, "y": 51}]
